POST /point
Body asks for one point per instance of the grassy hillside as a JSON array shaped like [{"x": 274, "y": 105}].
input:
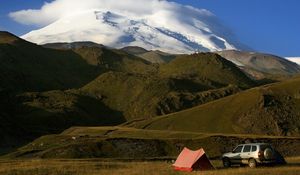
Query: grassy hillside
[
  {"x": 29, "y": 115},
  {"x": 109, "y": 86},
  {"x": 115, "y": 60},
  {"x": 153, "y": 56},
  {"x": 128, "y": 143},
  {"x": 142, "y": 96},
  {"x": 183, "y": 83},
  {"x": 157, "y": 56},
  {"x": 40, "y": 69},
  {"x": 28, "y": 67},
  {"x": 272, "y": 109},
  {"x": 209, "y": 68}
]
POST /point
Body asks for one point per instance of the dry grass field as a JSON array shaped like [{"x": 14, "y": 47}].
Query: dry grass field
[{"x": 103, "y": 167}]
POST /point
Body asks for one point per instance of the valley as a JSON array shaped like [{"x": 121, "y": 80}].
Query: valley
[{"x": 87, "y": 101}]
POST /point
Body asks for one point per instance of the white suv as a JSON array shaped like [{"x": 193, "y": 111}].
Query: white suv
[{"x": 250, "y": 154}]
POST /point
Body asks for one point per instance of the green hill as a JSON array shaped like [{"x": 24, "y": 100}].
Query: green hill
[
  {"x": 272, "y": 109},
  {"x": 143, "y": 96},
  {"x": 29, "y": 67},
  {"x": 30, "y": 115},
  {"x": 206, "y": 68},
  {"x": 115, "y": 60},
  {"x": 40, "y": 69},
  {"x": 183, "y": 83}
]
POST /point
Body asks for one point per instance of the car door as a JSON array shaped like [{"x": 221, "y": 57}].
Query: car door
[
  {"x": 246, "y": 153},
  {"x": 236, "y": 154}
]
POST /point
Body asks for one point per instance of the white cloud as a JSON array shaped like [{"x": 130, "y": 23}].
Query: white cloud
[{"x": 52, "y": 11}]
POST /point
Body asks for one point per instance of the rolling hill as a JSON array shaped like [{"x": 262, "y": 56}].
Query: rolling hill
[
  {"x": 29, "y": 67},
  {"x": 206, "y": 67},
  {"x": 47, "y": 90},
  {"x": 180, "y": 84},
  {"x": 41, "y": 69},
  {"x": 271, "y": 109},
  {"x": 29, "y": 115}
]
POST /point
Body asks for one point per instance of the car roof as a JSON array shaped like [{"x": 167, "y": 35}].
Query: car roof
[{"x": 254, "y": 144}]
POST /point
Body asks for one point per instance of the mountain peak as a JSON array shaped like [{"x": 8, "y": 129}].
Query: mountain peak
[{"x": 196, "y": 31}]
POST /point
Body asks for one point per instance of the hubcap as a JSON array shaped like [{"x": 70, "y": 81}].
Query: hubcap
[{"x": 251, "y": 164}]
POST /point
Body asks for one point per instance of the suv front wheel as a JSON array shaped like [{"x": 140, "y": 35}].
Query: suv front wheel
[
  {"x": 252, "y": 163},
  {"x": 226, "y": 162}
]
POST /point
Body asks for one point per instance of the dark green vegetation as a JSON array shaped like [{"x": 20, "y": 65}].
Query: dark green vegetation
[
  {"x": 29, "y": 67},
  {"x": 45, "y": 90},
  {"x": 177, "y": 85},
  {"x": 271, "y": 109},
  {"x": 128, "y": 143}
]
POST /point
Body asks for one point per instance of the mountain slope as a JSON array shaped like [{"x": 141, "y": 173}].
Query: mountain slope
[
  {"x": 206, "y": 67},
  {"x": 115, "y": 60},
  {"x": 37, "y": 69},
  {"x": 260, "y": 65},
  {"x": 151, "y": 56},
  {"x": 27, "y": 116},
  {"x": 271, "y": 109},
  {"x": 106, "y": 86},
  {"x": 41, "y": 69},
  {"x": 175, "y": 86}
]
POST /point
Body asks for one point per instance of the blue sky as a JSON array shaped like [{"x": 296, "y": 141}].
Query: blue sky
[{"x": 271, "y": 26}]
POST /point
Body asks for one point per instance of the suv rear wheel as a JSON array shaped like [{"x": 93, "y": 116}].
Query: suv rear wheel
[
  {"x": 268, "y": 153},
  {"x": 226, "y": 162},
  {"x": 252, "y": 163}
]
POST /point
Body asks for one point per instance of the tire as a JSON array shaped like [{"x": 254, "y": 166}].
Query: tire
[
  {"x": 252, "y": 163},
  {"x": 226, "y": 163},
  {"x": 268, "y": 154}
]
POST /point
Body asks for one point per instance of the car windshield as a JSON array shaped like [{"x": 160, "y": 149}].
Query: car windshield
[{"x": 238, "y": 149}]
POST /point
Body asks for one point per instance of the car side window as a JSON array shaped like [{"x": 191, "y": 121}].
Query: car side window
[
  {"x": 238, "y": 149},
  {"x": 247, "y": 148},
  {"x": 254, "y": 148}
]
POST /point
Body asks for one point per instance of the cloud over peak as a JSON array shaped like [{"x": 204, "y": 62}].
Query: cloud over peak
[
  {"x": 57, "y": 9},
  {"x": 160, "y": 23}
]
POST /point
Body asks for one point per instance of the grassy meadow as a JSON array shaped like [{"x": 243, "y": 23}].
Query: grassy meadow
[{"x": 97, "y": 167}]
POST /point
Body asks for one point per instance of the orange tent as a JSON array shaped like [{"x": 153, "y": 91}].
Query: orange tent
[{"x": 189, "y": 160}]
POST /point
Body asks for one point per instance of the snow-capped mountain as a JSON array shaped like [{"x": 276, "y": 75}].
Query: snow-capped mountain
[
  {"x": 162, "y": 29},
  {"x": 294, "y": 59}
]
